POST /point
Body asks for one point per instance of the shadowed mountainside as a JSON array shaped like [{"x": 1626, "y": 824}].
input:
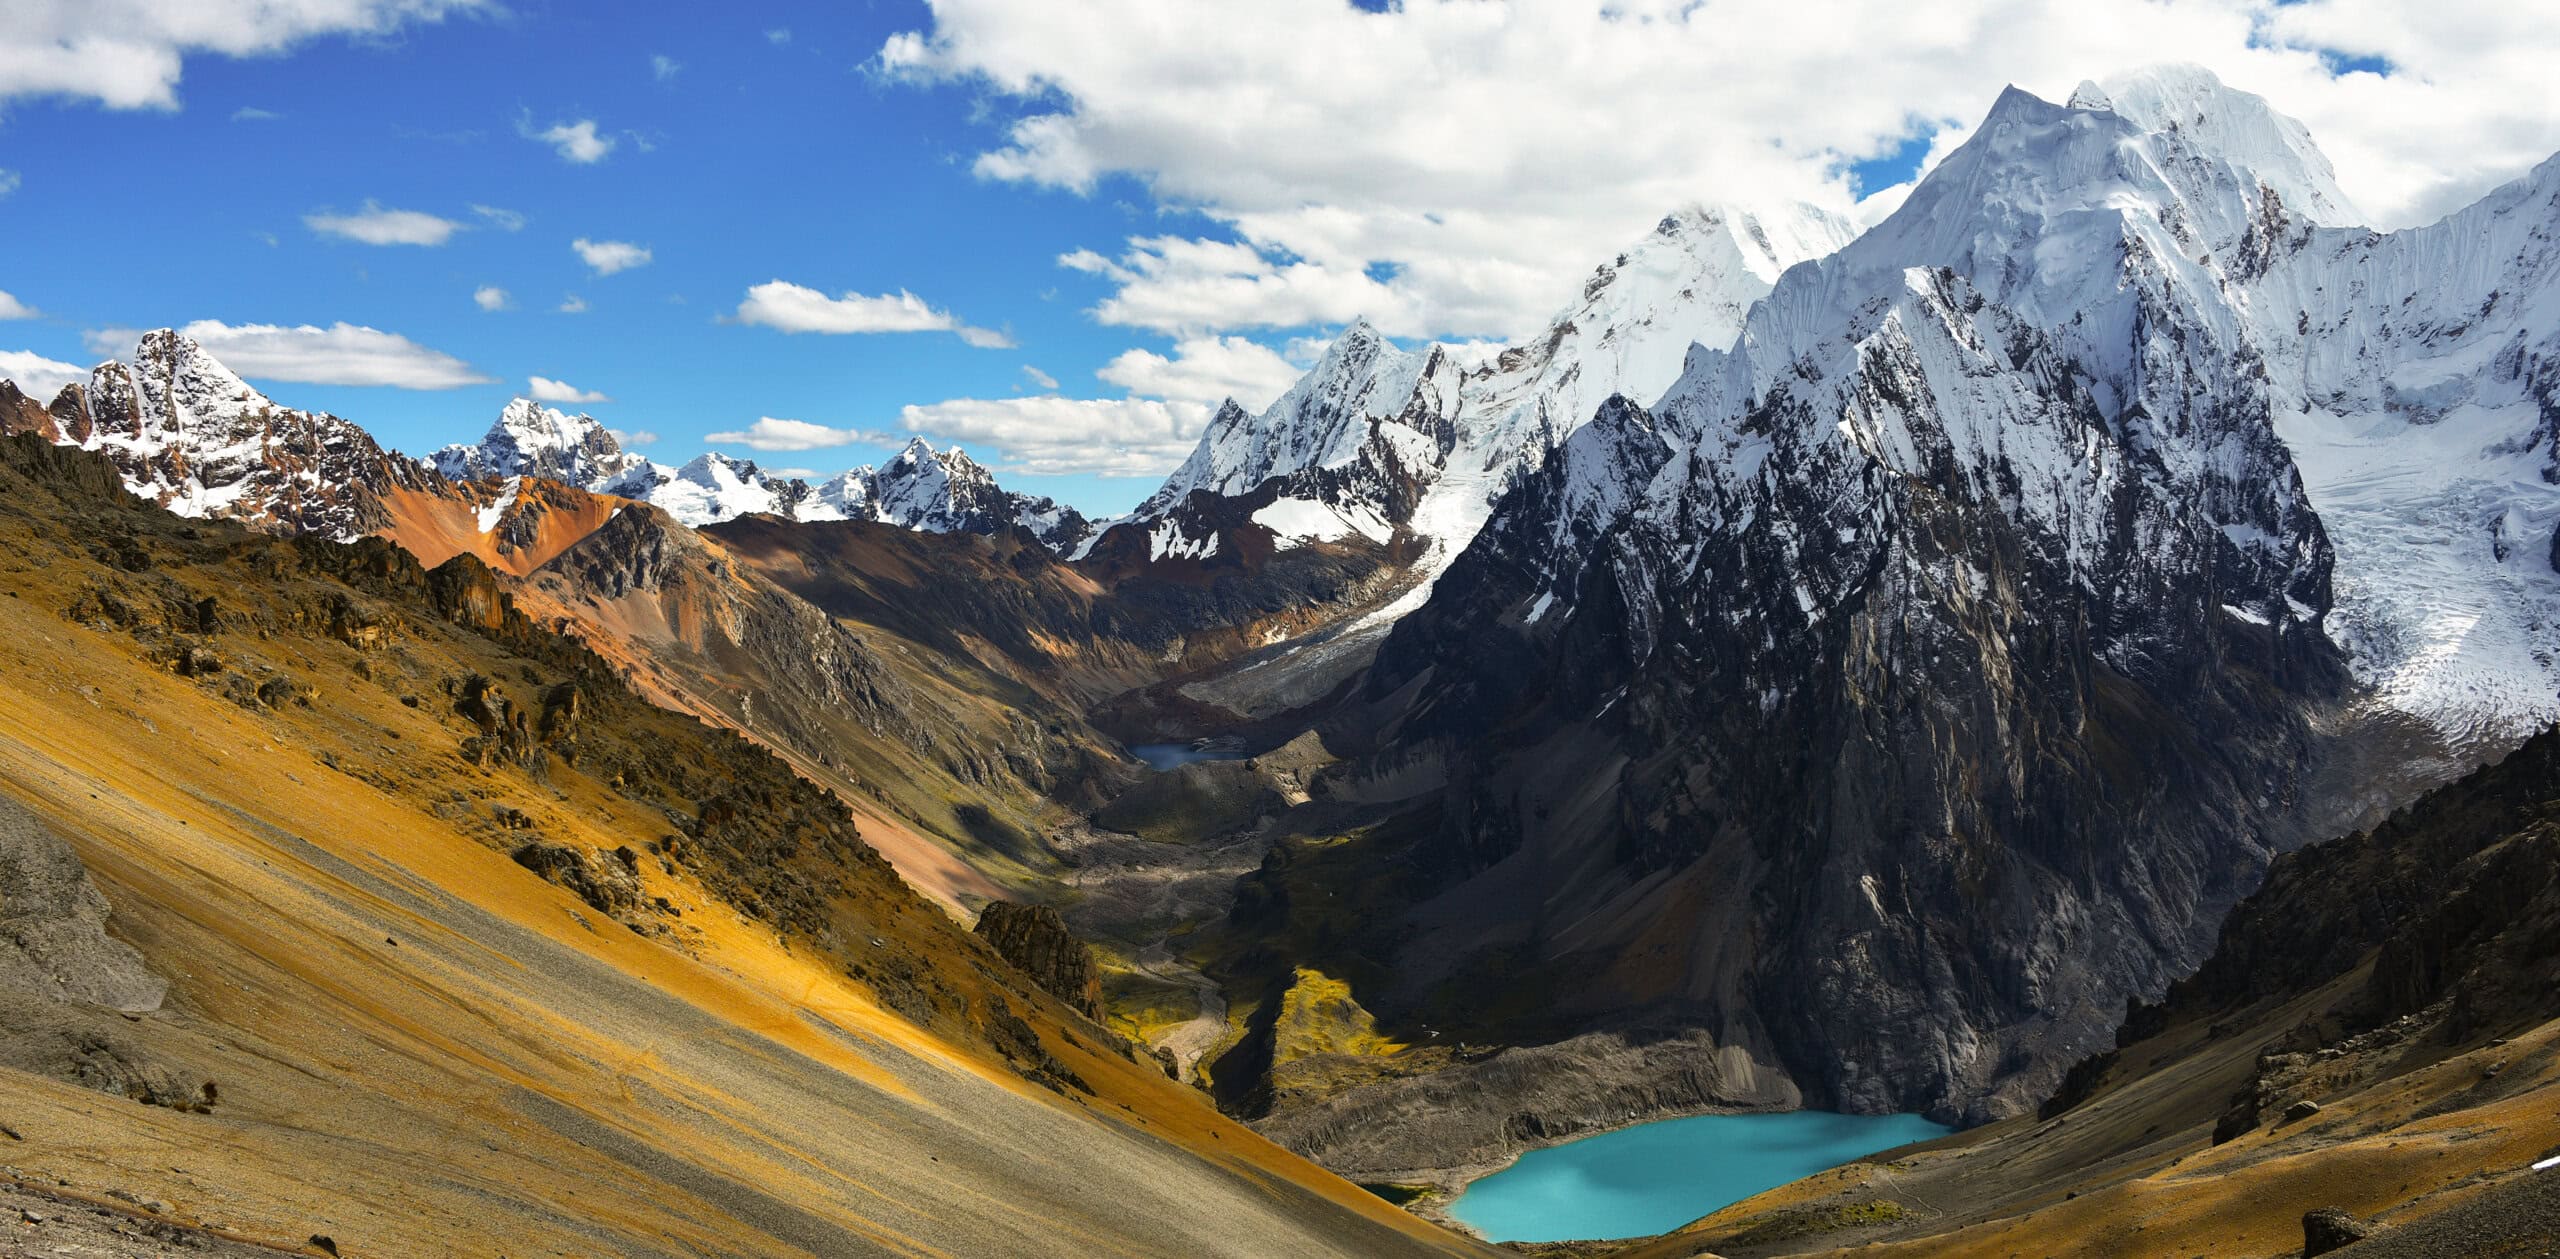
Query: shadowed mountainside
[{"x": 2374, "y": 1032}]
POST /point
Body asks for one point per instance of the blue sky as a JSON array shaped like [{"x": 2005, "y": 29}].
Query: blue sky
[
  {"x": 1132, "y": 207},
  {"x": 758, "y": 158}
]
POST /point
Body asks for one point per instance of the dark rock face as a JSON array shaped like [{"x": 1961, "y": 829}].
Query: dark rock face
[
  {"x": 1945, "y": 751},
  {"x": 1020, "y": 1045},
  {"x": 1036, "y": 940},
  {"x": 2330, "y": 1228},
  {"x": 22, "y": 414}
]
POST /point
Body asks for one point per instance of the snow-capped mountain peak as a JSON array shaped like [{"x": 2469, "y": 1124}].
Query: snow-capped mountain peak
[
  {"x": 1375, "y": 436},
  {"x": 181, "y": 387},
  {"x": 2240, "y": 129},
  {"x": 187, "y": 432},
  {"x": 530, "y": 439}
]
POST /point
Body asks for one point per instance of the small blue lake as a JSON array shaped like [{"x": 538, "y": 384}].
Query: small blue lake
[
  {"x": 1164, "y": 756},
  {"x": 1655, "y": 1177}
]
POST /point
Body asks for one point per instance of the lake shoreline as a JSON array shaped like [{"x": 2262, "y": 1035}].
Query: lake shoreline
[{"x": 1448, "y": 1185}]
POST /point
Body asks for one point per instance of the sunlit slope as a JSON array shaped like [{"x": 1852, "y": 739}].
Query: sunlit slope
[{"x": 422, "y": 1047}]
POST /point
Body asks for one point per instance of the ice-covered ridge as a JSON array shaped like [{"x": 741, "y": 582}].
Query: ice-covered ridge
[
  {"x": 1414, "y": 439},
  {"x": 2177, "y": 253}
]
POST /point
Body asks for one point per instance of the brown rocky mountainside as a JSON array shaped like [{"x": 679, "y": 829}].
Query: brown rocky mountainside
[
  {"x": 2375, "y": 1034},
  {"x": 351, "y": 902}
]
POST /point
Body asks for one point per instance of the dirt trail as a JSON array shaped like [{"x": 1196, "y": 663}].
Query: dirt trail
[
  {"x": 1140, "y": 894},
  {"x": 1187, "y": 1041}
]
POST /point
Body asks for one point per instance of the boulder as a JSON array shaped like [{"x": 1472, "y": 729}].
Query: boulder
[{"x": 2330, "y": 1228}]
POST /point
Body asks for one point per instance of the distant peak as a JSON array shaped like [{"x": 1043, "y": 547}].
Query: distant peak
[
  {"x": 2090, "y": 96},
  {"x": 167, "y": 357}
]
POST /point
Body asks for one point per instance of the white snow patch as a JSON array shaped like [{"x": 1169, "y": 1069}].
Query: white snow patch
[
  {"x": 1166, "y": 540},
  {"x": 497, "y": 511},
  {"x": 1298, "y": 520}
]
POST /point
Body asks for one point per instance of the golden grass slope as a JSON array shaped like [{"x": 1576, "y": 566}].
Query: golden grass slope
[{"x": 423, "y": 1048}]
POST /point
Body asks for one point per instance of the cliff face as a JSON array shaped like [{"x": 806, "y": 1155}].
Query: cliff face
[
  {"x": 2449, "y": 911},
  {"x": 2373, "y": 1037}
]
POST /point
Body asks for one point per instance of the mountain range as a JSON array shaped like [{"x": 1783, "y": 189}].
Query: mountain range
[{"x": 1857, "y": 669}]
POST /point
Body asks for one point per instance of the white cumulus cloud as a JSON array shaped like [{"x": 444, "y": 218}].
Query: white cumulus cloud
[
  {"x": 491, "y": 297},
  {"x": 39, "y": 377},
  {"x": 128, "y": 54},
  {"x": 632, "y": 437},
  {"x": 1038, "y": 378},
  {"x": 1172, "y": 398},
  {"x": 1053, "y": 436},
  {"x": 1206, "y": 370},
  {"x": 605, "y": 257},
  {"x": 792, "y": 307},
  {"x": 665, "y": 67},
  {"x": 769, "y": 433},
  {"x": 1452, "y": 168},
  {"x": 545, "y": 389},
  {"x": 576, "y": 142},
  {"x": 12, "y": 308},
  {"x": 377, "y": 224},
  {"x": 340, "y": 354},
  {"x": 573, "y": 305},
  {"x": 502, "y": 219}
]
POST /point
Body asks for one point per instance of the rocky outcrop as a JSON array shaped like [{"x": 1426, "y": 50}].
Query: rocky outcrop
[
  {"x": 22, "y": 414},
  {"x": 1494, "y": 1104},
  {"x": 608, "y": 883},
  {"x": 67, "y": 988},
  {"x": 53, "y": 925},
  {"x": 1037, "y": 942}
]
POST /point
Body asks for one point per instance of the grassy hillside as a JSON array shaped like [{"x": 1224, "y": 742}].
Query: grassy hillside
[{"x": 481, "y": 953}]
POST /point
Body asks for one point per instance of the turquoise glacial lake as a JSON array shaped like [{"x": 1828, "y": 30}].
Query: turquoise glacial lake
[{"x": 1655, "y": 1177}]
